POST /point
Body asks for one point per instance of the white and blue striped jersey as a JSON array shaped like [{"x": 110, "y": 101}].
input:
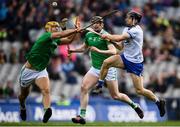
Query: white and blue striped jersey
[{"x": 133, "y": 46}]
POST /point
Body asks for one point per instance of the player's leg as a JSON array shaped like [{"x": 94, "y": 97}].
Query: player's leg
[
  {"x": 88, "y": 82},
  {"x": 25, "y": 80},
  {"x": 112, "y": 85},
  {"x": 113, "y": 61},
  {"x": 24, "y": 92},
  {"x": 138, "y": 84},
  {"x": 44, "y": 84}
]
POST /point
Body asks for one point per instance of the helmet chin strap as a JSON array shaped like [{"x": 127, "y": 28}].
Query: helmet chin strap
[{"x": 133, "y": 22}]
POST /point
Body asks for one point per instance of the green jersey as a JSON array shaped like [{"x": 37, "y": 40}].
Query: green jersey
[
  {"x": 95, "y": 40},
  {"x": 42, "y": 51}
]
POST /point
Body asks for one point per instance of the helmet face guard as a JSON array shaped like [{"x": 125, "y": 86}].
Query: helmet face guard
[
  {"x": 135, "y": 15},
  {"x": 51, "y": 24},
  {"x": 95, "y": 18}
]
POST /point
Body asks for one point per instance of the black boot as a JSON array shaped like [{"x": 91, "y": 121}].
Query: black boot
[
  {"x": 139, "y": 111},
  {"x": 161, "y": 106},
  {"x": 47, "y": 115},
  {"x": 23, "y": 114},
  {"x": 79, "y": 119}
]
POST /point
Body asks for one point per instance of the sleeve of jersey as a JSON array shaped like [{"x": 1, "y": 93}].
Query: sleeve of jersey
[
  {"x": 107, "y": 42},
  {"x": 85, "y": 39},
  {"x": 46, "y": 37},
  {"x": 132, "y": 32},
  {"x": 58, "y": 41}
]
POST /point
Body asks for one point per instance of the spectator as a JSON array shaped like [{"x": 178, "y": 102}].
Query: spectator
[
  {"x": 3, "y": 58},
  {"x": 157, "y": 85},
  {"x": 23, "y": 51},
  {"x": 173, "y": 79},
  {"x": 13, "y": 57},
  {"x": 54, "y": 68},
  {"x": 8, "y": 90},
  {"x": 3, "y": 11},
  {"x": 68, "y": 69},
  {"x": 71, "y": 77},
  {"x": 1, "y": 91},
  {"x": 79, "y": 66}
]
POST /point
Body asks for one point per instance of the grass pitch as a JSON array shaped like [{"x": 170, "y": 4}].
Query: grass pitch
[{"x": 96, "y": 124}]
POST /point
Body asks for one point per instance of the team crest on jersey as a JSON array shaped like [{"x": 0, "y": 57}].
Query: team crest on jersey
[{"x": 94, "y": 39}]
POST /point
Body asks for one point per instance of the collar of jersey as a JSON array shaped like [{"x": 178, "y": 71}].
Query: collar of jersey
[{"x": 102, "y": 31}]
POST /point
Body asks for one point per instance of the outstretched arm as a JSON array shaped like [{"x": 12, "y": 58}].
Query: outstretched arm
[
  {"x": 81, "y": 49},
  {"x": 111, "y": 50},
  {"x": 64, "y": 33},
  {"x": 116, "y": 38},
  {"x": 118, "y": 45},
  {"x": 68, "y": 40}
]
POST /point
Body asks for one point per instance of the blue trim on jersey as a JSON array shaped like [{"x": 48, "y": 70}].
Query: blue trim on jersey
[
  {"x": 135, "y": 68},
  {"x": 130, "y": 34}
]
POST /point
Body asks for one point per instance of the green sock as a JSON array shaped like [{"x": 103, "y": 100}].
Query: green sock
[
  {"x": 133, "y": 105},
  {"x": 83, "y": 112}
]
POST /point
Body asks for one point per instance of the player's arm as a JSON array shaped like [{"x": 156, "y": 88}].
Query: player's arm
[
  {"x": 68, "y": 40},
  {"x": 118, "y": 45},
  {"x": 116, "y": 38},
  {"x": 80, "y": 49},
  {"x": 111, "y": 50},
  {"x": 64, "y": 33}
]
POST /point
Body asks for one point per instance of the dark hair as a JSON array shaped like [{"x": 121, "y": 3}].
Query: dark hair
[
  {"x": 95, "y": 18},
  {"x": 135, "y": 15}
]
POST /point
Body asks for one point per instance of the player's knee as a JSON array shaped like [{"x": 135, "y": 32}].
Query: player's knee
[
  {"x": 140, "y": 91},
  {"x": 114, "y": 96},
  {"x": 106, "y": 64},
  {"x": 45, "y": 91},
  {"x": 24, "y": 92},
  {"x": 22, "y": 96},
  {"x": 84, "y": 88}
]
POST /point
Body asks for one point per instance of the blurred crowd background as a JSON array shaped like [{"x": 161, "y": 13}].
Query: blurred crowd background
[{"x": 21, "y": 22}]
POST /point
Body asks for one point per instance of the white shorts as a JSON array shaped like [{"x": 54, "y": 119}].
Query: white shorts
[
  {"x": 111, "y": 75},
  {"x": 28, "y": 76}
]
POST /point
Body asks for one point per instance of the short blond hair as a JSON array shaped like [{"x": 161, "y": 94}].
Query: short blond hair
[{"x": 51, "y": 24}]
